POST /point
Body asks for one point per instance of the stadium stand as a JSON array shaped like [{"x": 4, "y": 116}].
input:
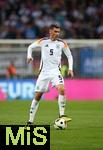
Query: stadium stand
[{"x": 29, "y": 19}]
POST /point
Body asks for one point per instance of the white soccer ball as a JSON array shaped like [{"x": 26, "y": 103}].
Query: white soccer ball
[{"x": 60, "y": 123}]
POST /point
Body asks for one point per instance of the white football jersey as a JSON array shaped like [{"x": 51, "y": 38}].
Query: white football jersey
[{"x": 51, "y": 52}]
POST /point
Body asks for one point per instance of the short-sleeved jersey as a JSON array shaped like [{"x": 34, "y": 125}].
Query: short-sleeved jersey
[{"x": 51, "y": 52}]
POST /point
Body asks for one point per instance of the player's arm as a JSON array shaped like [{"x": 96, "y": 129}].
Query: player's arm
[
  {"x": 30, "y": 49},
  {"x": 70, "y": 59}
]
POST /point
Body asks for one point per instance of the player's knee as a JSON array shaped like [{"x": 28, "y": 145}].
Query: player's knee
[
  {"x": 38, "y": 95},
  {"x": 61, "y": 90}
]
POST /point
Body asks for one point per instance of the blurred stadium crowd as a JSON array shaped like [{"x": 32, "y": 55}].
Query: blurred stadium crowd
[{"x": 29, "y": 19}]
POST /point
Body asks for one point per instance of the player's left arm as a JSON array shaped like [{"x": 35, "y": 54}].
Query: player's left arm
[{"x": 67, "y": 52}]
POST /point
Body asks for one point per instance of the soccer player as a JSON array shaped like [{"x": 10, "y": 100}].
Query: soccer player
[{"x": 51, "y": 50}]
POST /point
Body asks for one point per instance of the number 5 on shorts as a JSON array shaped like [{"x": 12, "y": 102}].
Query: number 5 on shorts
[{"x": 60, "y": 79}]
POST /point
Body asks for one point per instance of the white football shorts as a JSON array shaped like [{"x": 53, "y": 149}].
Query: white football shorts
[{"x": 44, "y": 78}]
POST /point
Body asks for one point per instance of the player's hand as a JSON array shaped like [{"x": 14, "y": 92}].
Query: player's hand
[
  {"x": 70, "y": 72},
  {"x": 29, "y": 60}
]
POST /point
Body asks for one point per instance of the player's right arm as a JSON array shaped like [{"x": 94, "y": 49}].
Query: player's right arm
[{"x": 30, "y": 49}]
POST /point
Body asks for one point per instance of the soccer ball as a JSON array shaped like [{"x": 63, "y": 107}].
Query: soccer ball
[{"x": 60, "y": 123}]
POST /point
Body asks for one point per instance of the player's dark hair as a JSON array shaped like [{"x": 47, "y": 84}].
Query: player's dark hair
[{"x": 54, "y": 26}]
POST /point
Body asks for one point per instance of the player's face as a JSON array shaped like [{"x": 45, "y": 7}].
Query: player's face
[{"x": 54, "y": 33}]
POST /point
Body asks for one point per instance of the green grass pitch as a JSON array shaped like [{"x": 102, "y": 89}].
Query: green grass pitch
[{"x": 85, "y": 132}]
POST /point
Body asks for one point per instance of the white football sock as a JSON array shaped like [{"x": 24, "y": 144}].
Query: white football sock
[
  {"x": 61, "y": 104},
  {"x": 33, "y": 109}
]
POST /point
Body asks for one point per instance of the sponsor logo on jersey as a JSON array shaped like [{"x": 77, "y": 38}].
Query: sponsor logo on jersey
[{"x": 57, "y": 46}]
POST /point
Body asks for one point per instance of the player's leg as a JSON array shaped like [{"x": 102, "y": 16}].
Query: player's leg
[
  {"x": 34, "y": 106},
  {"x": 58, "y": 81},
  {"x": 61, "y": 99},
  {"x": 62, "y": 102},
  {"x": 40, "y": 88}
]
